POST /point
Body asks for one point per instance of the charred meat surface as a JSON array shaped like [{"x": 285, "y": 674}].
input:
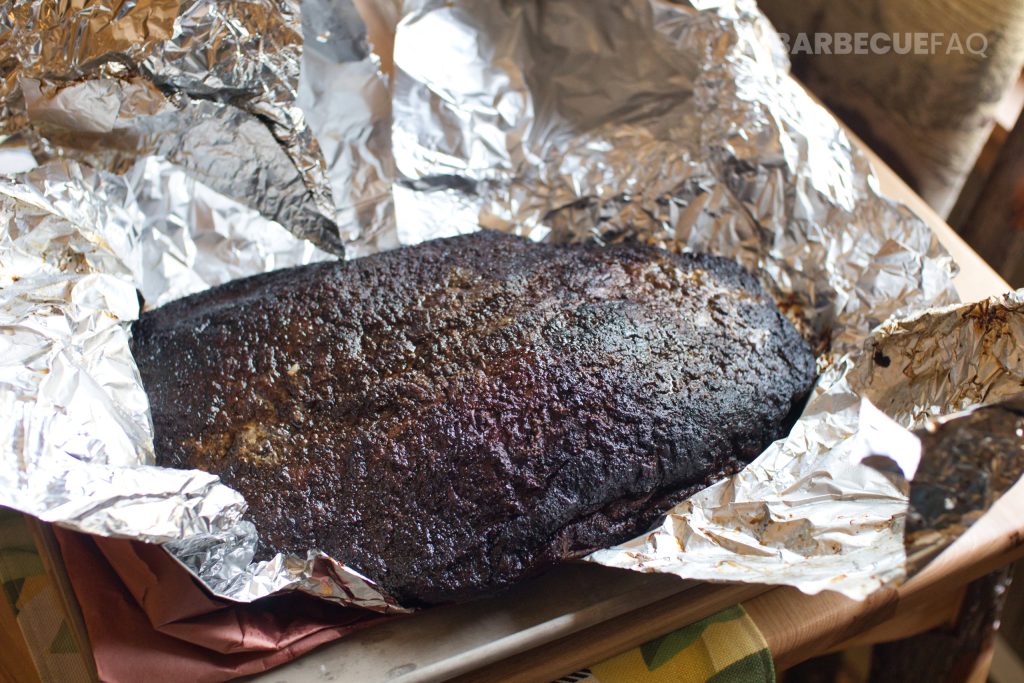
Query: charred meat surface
[{"x": 451, "y": 417}]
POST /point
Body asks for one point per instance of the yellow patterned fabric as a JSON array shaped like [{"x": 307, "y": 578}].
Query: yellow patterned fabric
[
  {"x": 723, "y": 648},
  {"x": 32, "y": 603}
]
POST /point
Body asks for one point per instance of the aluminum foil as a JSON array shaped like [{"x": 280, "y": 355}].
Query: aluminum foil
[
  {"x": 675, "y": 123},
  {"x": 193, "y": 238},
  {"x": 347, "y": 105},
  {"x": 818, "y": 510},
  {"x": 214, "y": 139},
  {"x": 970, "y": 460},
  {"x": 208, "y": 85},
  {"x": 77, "y": 437}
]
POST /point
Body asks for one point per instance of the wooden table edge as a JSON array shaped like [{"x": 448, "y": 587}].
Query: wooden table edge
[{"x": 571, "y": 653}]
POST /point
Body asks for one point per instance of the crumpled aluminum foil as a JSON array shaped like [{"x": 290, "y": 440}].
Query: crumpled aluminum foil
[
  {"x": 675, "y": 123},
  {"x": 193, "y": 238},
  {"x": 809, "y": 512},
  {"x": 209, "y": 85},
  {"x": 347, "y": 105},
  {"x": 78, "y": 440},
  {"x": 75, "y": 420},
  {"x": 670, "y": 122}
]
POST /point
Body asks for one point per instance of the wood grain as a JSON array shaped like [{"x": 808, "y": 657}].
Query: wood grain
[
  {"x": 799, "y": 626},
  {"x": 57, "y": 571},
  {"x": 15, "y": 660},
  {"x": 995, "y": 225},
  {"x": 908, "y": 620},
  {"x": 928, "y": 115}
]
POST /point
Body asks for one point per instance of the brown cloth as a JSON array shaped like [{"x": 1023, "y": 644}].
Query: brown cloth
[{"x": 149, "y": 621}]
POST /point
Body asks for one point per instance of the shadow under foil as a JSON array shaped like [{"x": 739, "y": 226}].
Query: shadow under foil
[{"x": 968, "y": 461}]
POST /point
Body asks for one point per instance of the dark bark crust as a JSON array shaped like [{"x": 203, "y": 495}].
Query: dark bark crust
[{"x": 451, "y": 417}]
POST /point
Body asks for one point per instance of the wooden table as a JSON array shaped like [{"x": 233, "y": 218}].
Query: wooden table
[{"x": 579, "y": 615}]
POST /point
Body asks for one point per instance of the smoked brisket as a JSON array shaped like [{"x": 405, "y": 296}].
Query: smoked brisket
[{"x": 451, "y": 417}]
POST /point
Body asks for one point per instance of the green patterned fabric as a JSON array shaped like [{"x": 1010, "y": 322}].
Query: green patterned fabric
[{"x": 723, "y": 648}]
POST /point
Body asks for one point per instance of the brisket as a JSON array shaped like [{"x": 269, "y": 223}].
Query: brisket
[{"x": 451, "y": 417}]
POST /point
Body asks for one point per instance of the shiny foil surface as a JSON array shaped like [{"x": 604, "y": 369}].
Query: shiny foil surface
[
  {"x": 827, "y": 507},
  {"x": 210, "y": 86},
  {"x": 183, "y": 144},
  {"x": 670, "y": 122}
]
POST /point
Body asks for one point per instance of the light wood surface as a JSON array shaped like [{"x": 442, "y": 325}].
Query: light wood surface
[
  {"x": 995, "y": 225},
  {"x": 454, "y": 640},
  {"x": 15, "y": 660}
]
